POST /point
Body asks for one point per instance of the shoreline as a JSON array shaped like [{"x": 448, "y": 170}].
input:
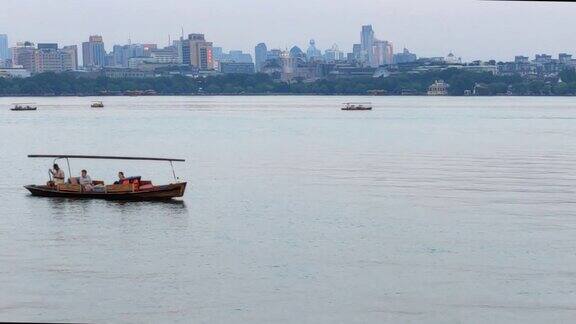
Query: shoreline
[{"x": 278, "y": 94}]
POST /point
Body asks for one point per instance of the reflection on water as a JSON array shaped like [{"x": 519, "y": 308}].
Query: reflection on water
[
  {"x": 443, "y": 210},
  {"x": 71, "y": 205}
]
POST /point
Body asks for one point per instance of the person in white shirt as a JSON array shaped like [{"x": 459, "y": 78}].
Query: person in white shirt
[
  {"x": 85, "y": 180},
  {"x": 57, "y": 174}
]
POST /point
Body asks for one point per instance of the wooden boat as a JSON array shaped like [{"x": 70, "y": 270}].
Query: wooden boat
[
  {"x": 23, "y": 107},
  {"x": 130, "y": 189},
  {"x": 357, "y": 106},
  {"x": 97, "y": 104},
  {"x": 163, "y": 192}
]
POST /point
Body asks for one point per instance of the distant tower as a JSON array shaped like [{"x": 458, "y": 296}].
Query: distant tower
[
  {"x": 93, "y": 52},
  {"x": 4, "y": 53},
  {"x": 367, "y": 43},
  {"x": 196, "y": 51},
  {"x": 313, "y": 53},
  {"x": 288, "y": 64},
  {"x": 260, "y": 54},
  {"x": 383, "y": 52}
]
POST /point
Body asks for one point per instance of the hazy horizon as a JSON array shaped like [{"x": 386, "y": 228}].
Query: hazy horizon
[{"x": 471, "y": 29}]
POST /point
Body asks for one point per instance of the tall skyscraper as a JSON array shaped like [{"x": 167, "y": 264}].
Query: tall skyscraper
[
  {"x": 389, "y": 54},
  {"x": 260, "y": 55},
  {"x": 196, "y": 51},
  {"x": 4, "y": 52},
  {"x": 367, "y": 43},
  {"x": 177, "y": 44},
  {"x": 93, "y": 52}
]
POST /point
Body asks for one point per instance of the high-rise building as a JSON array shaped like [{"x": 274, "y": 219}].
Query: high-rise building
[
  {"x": 234, "y": 56},
  {"x": 4, "y": 52},
  {"x": 333, "y": 54},
  {"x": 50, "y": 59},
  {"x": 521, "y": 59},
  {"x": 167, "y": 55},
  {"x": 196, "y": 51},
  {"x": 367, "y": 43},
  {"x": 73, "y": 51},
  {"x": 177, "y": 44},
  {"x": 260, "y": 53},
  {"x": 357, "y": 52},
  {"x": 312, "y": 52},
  {"x": 296, "y": 52},
  {"x": 564, "y": 58},
  {"x": 23, "y": 55},
  {"x": 48, "y": 46},
  {"x": 288, "y": 64},
  {"x": 217, "y": 53},
  {"x": 240, "y": 57},
  {"x": 121, "y": 54},
  {"x": 148, "y": 48},
  {"x": 383, "y": 53},
  {"x": 93, "y": 52},
  {"x": 46, "y": 57},
  {"x": 273, "y": 54}
]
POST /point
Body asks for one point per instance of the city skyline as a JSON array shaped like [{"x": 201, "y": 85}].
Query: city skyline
[{"x": 471, "y": 29}]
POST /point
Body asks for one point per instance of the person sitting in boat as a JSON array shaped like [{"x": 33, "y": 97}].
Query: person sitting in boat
[
  {"x": 57, "y": 174},
  {"x": 85, "y": 180},
  {"x": 120, "y": 178}
]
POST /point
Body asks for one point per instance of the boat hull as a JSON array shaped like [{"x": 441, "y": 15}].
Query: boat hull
[{"x": 165, "y": 192}]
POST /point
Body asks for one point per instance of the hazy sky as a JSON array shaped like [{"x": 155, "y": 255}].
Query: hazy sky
[{"x": 472, "y": 29}]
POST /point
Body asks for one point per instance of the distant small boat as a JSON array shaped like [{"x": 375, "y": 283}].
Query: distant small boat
[
  {"x": 357, "y": 106},
  {"x": 23, "y": 107},
  {"x": 97, "y": 104}
]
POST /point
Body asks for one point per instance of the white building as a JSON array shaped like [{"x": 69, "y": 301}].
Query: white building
[
  {"x": 438, "y": 88},
  {"x": 452, "y": 59}
]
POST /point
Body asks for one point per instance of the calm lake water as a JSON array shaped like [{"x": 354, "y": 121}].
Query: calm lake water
[{"x": 425, "y": 210}]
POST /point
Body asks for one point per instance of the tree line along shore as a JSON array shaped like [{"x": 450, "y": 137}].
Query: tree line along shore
[{"x": 459, "y": 83}]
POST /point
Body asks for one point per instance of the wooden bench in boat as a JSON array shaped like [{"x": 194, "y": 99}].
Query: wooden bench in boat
[{"x": 67, "y": 187}]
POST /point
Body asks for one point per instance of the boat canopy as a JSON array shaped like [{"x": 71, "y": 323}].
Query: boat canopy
[{"x": 102, "y": 157}]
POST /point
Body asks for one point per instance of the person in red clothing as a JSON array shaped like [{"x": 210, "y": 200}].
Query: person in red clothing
[{"x": 120, "y": 178}]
